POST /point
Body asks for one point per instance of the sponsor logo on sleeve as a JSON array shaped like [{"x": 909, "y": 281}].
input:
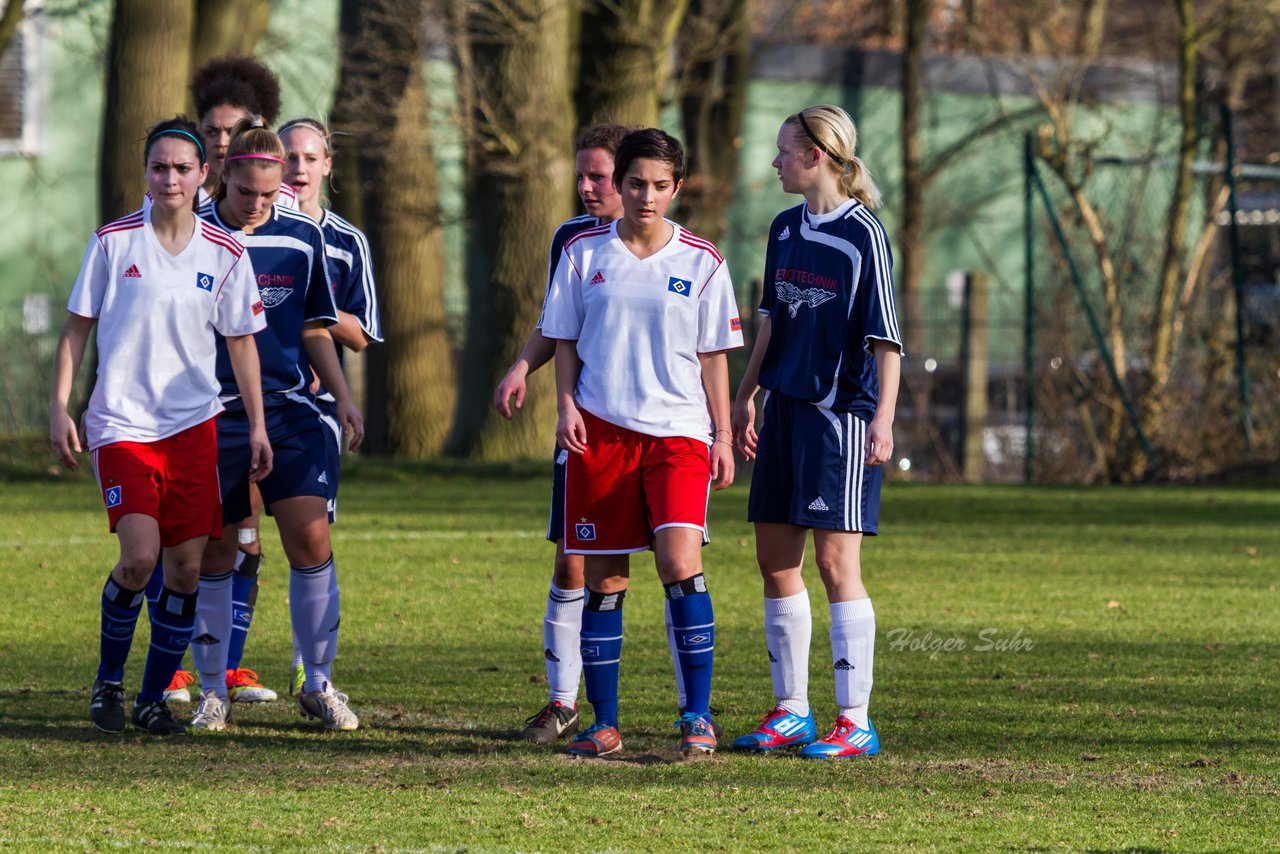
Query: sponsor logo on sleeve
[
  {"x": 257, "y": 308},
  {"x": 735, "y": 324},
  {"x": 683, "y": 287}
]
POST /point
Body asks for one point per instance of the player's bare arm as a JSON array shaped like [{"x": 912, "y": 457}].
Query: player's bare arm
[
  {"x": 349, "y": 333},
  {"x": 888, "y": 372},
  {"x": 537, "y": 351},
  {"x": 324, "y": 359},
  {"x": 744, "y": 403},
  {"x": 571, "y": 432},
  {"x": 63, "y": 437},
  {"x": 243, "y": 353},
  {"x": 715, "y": 382}
]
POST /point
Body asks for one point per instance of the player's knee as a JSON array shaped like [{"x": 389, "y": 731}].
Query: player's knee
[
  {"x": 678, "y": 567},
  {"x": 136, "y": 566},
  {"x": 837, "y": 571},
  {"x": 567, "y": 574}
]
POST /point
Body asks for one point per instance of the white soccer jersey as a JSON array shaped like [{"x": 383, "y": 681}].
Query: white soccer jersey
[
  {"x": 640, "y": 325},
  {"x": 157, "y": 314}
]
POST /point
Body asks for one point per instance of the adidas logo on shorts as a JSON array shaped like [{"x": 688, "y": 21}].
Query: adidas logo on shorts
[{"x": 818, "y": 505}]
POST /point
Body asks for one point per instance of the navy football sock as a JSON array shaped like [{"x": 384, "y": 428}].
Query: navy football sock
[
  {"x": 172, "y": 621},
  {"x": 120, "y": 609},
  {"x": 693, "y": 623},
  {"x": 602, "y": 652},
  {"x": 243, "y": 597}
]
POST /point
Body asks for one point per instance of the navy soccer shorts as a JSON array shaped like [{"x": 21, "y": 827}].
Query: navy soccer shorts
[
  {"x": 299, "y": 456},
  {"x": 810, "y": 469}
]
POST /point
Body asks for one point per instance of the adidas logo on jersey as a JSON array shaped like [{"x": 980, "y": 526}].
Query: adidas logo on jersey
[
  {"x": 132, "y": 272},
  {"x": 597, "y": 279},
  {"x": 786, "y": 232},
  {"x": 843, "y": 664},
  {"x": 818, "y": 505}
]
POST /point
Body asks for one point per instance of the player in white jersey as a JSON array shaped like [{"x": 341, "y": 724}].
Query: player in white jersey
[
  {"x": 161, "y": 286},
  {"x": 562, "y": 620},
  {"x": 310, "y": 160},
  {"x": 830, "y": 365},
  {"x": 643, "y": 312}
]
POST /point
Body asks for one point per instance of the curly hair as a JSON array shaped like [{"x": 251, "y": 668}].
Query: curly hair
[{"x": 240, "y": 81}]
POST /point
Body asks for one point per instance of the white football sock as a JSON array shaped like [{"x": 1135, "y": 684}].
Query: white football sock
[
  {"x": 853, "y": 646},
  {"x": 788, "y": 629},
  {"x": 212, "y": 633},
  {"x": 562, "y": 643},
  {"x": 313, "y": 607},
  {"x": 681, "y": 697}
]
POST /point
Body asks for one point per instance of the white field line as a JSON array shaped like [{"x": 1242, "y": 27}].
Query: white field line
[{"x": 337, "y": 535}]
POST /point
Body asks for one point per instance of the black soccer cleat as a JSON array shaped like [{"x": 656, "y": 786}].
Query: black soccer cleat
[
  {"x": 155, "y": 718},
  {"x": 106, "y": 709}
]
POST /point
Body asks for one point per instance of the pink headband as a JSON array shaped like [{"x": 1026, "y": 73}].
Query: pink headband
[{"x": 270, "y": 157}]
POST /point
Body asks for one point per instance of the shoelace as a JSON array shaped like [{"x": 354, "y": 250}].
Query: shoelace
[
  {"x": 153, "y": 710},
  {"x": 540, "y": 717},
  {"x": 182, "y": 679},
  {"x": 243, "y": 676},
  {"x": 698, "y": 723},
  {"x": 109, "y": 691}
]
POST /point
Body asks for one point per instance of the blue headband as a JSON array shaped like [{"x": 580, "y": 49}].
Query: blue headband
[{"x": 179, "y": 132}]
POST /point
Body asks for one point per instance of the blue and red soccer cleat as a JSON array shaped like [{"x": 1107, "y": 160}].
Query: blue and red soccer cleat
[
  {"x": 845, "y": 740},
  {"x": 779, "y": 728},
  {"x": 596, "y": 740},
  {"x": 697, "y": 737}
]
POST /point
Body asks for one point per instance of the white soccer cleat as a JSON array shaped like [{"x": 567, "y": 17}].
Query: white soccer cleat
[
  {"x": 213, "y": 714},
  {"x": 330, "y": 707}
]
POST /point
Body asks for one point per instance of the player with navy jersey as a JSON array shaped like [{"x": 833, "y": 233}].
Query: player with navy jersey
[
  {"x": 310, "y": 161},
  {"x": 161, "y": 286},
  {"x": 643, "y": 313},
  {"x": 828, "y": 354},
  {"x": 288, "y": 255},
  {"x": 225, "y": 90},
  {"x": 562, "y": 620}
]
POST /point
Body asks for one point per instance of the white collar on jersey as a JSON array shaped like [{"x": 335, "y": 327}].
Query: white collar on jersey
[{"x": 819, "y": 219}]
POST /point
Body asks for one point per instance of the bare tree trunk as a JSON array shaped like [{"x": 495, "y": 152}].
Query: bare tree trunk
[
  {"x": 147, "y": 62},
  {"x": 716, "y": 45},
  {"x": 626, "y": 50},
  {"x": 9, "y": 22},
  {"x": 522, "y": 183},
  {"x": 1092, "y": 26},
  {"x": 1170, "y": 275},
  {"x": 911, "y": 230},
  {"x": 225, "y": 27},
  {"x": 384, "y": 107}
]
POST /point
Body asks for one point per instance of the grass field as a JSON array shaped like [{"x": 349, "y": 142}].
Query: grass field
[{"x": 1117, "y": 689}]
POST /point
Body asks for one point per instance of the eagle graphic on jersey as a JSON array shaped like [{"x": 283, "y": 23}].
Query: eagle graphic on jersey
[{"x": 795, "y": 297}]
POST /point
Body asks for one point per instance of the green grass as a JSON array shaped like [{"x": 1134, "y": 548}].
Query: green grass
[{"x": 1142, "y": 717}]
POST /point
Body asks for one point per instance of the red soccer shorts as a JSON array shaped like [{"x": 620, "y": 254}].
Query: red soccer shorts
[
  {"x": 174, "y": 481},
  {"x": 627, "y": 485}
]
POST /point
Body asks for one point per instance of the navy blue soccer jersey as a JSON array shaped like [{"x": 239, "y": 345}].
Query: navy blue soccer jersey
[
  {"x": 288, "y": 255},
  {"x": 829, "y": 293},
  {"x": 567, "y": 230},
  {"x": 351, "y": 273}
]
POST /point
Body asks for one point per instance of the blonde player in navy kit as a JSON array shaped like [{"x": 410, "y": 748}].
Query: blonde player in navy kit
[
  {"x": 288, "y": 254},
  {"x": 828, "y": 354}
]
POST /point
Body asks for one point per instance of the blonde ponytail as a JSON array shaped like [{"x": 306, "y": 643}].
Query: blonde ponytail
[
  {"x": 252, "y": 142},
  {"x": 830, "y": 129}
]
